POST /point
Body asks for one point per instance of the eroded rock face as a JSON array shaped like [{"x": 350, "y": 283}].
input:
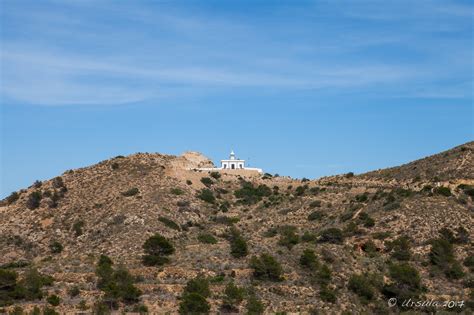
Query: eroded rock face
[
  {"x": 196, "y": 160},
  {"x": 114, "y": 206}
]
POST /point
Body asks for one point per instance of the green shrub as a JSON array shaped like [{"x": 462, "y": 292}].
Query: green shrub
[
  {"x": 49, "y": 311},
  {"x": 406, "y": 282},
  {"x": 206, "y": 195},
  {"x": 238, "y": 245},
  {"x": 331, "y": 235},
  {"x": 8, "y": 287},
  {"x": 177, "y": 191},
  {"x": 266, "y": 268},
  {"x": 400, "y": 248},
  {"x": 309, "y": 237},
  {"x": 207, "y": 238},
  {"x": 442, "y": 253},
  {"x": 54, "y": 300},
  {"x": 248, "y": 194},
  {"x": 315, "y": 204},
  {"x": 300, "y": 190},
  {"x": 362, "y": 197},
  {"x": 315, "y": 215},
  {"x": 271, "y": 232},
  {"x": 442, "y": 191},
  {"x": 288, "y": 236},
  {"x": 193, "y": 303},
  {"x": 215, "y": 175},
  {"x": 58, "y": 182},
  {"x": 324, "y": 275},
  {"x": 309, "y": 260},
  {"x": 365, "y": 285},
  {"x": 117, "y": 284},
  {"x": 207, "y": 181},
  {"x": 198, "y": 285},
  {"x": 56, "y": 247},
  {"x": 130, "y": 192},
  {"x": 14, "y": 196},
  {"x": 469, "y": 262},
  {"x": 77, "y": 227},
  {"x": 454, "y": 271},
  {"x": 74, "y": 291},
  {"x": 327, "y": 295},
  {"x": 188, "y": 182},
  {"x": 254, "y": 304},
  {"x": 115, "y": 166},
  {"x": 169, "y": 223},
  {"x": 233, "y": 296},
  {"x": 34, "y": 200},
  {"x": 157, "y": 248}
]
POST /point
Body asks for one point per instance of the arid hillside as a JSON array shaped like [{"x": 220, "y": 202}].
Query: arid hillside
[{"x": 147, "y": 234}]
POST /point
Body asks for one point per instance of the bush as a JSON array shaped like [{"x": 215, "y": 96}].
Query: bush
[
  {"x": 288, "y": 236},
  {"x": 54, "y": 300},
  {"x": 406, "y": 282},
  {"x": 327, "y": 295},
  {"x": 442, "y": 253},
  {"x": 34, "y": 200},
  {"x": 324, "y": 275},
  {"x": 270, "y": 232},
  {"x": 74, "y": 291},
  {"x": 233, "y": 296},
  {"x": 300, "y": 190},
  {"x": 58, "y": 182},
  {"x": 207, "y": 181},
  {"x": 443, "y": 191},
  {"x": 14, "y": 196},
  {"x": 254, "y": 304},
  {"x": 193, "y": 303},
  {"x": 469, "y": 262},
  {"x": 207, "y": 238},
  {"x": 215, "y": 175},
  {"x": 199, "y": 285},
  {"x": 177, "y": 191},
  {"x": 77, "y": 227},
  {"x": 8, "y": 287},
  {"x": 362, "y": 286},
  {"x": 362, "y": 197},
  {"x": 169, "y": 223},
  {"x": 401, "y": 248},
  {"x": 193, "y": 299},
  {"x": 157, "y": 248},
  {"x": 315, "y": 204},
  {"x": 30, "y": 286},
  {"x": 130, "y": 192},
  {"x": 248, "y": 194},
  {"x": 331, "y": 235},
  {"x": 117, "y": 285},
  {"x": 56, "y": 247},
  {"x": 315, "y": 215},
  {"x": 309, "y": 260},
  {"x": 309, "y": 237},
  {"x": 266, "y": 268},
  {"x": 206, "y": 195},
  {"x": 238, "y": 245}
]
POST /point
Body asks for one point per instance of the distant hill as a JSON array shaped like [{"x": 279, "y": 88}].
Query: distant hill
[
  {"x": 455, "y": 163},
  {"x": 338, "y": 244}
]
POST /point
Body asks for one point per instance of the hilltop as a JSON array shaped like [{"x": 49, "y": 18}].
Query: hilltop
[{"x": 338, "y": 244}]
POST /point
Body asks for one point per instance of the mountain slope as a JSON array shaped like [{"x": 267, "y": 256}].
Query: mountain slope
[{"x": 350, "y": 222}]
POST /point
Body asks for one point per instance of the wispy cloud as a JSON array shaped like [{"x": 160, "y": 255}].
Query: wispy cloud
[{"x": 72, "y": 55}]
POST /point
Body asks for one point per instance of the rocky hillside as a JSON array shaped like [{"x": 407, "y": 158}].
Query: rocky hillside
[{"x": 146, "y": 233}]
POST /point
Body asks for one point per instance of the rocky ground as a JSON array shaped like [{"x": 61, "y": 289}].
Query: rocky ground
[{"x": 61, "y": 226}]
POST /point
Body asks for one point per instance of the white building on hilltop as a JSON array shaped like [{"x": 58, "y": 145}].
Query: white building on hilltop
[{"x": 231, "y": 164}]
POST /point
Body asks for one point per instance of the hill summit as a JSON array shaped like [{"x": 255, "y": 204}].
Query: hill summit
[{"x": 151, "y": 233}]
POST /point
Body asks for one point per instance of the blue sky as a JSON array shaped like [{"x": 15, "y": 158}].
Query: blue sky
[{"x": 300, "y": 88}]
